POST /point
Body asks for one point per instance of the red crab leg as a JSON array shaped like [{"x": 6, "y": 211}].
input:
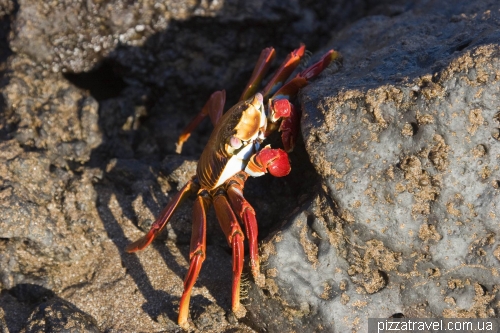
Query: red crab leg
[
  {"x": 213, "y": 107},
  {"x": 247, "y": 214},
  {"x": 260, "y": 69},
  {"x": 162, "y": 220},
  {"x": 280, "y": 107},
  {"x": 197, "y": 252},
  {"x": 291, "y": 88},
  {"x": 283, "y": 73},
  {"x": 234, "y": 234},
  {"x": 318, "y": 67}
]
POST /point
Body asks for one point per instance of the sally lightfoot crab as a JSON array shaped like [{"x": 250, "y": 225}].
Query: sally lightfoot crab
[{"x": 233, "y": 153}]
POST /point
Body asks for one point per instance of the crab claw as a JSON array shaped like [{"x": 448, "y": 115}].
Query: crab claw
[
  {"x": 274, "y": 161},
  {"x": 290, "y": 124},
  {"x": 290, "y": 129},
  {"x": 280, "y": 108}
]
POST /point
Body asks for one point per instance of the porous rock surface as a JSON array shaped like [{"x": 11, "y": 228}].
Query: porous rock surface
[
  {"x": 92, "y": 97},
  {"x": 405, "y": 138},
  {"x": 394, "y": 214},
  {"x": 60, "y": 316}
]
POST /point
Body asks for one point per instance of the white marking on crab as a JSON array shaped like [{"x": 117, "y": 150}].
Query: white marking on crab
[
  {"x": 254, "y": 174},
  {"x": 237, "y": 162},
  {"x": 263, "y": 116}
]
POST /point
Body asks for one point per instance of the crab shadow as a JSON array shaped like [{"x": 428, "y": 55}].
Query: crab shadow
[{"x": 155, "y": 299}]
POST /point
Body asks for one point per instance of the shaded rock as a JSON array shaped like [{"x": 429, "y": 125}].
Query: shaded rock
[
  {"x": 7, "y": 9},
  {"x": 58, "y": 315},
  {"x": 404, "y": 139},
  {"x": 13, "y": 314},
  {"x": 75, "y": 36},
  {"x": 31, "y": 293}
]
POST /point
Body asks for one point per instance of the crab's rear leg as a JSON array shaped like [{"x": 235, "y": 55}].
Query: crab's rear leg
[
  {"x": 231, "y": 228},
  {"x": 291, "y": 88},
  {"x": 214, "y": 108},
  {"x": 247, "y": 215},
  {"x": 162, "y": 220},
  {"x": 281, "y": 108},
  {"x": 197, "y": 253},
  {"x": 261, "y": 67},
  {"x": 283, "y": 73},
  {"x": 316, "y": 68}
]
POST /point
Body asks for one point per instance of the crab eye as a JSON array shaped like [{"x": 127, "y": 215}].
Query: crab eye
[{"x": 235, "y": 142}]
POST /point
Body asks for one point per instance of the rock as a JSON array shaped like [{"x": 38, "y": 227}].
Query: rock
[
  {"x": 3, "y": 324},
  {"x": 58, "y": 315},
  {"x": 43, "y": 208},
  {"x": 86, "y": 160},
  {"x": 50, "y": 114},
  {"x": 404, "y": 138},
  {"x": 75, "y": 37}
]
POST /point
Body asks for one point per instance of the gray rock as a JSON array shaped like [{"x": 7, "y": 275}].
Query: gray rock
[
  {"x": 76, "y": 36},
  {"x": 50, "y": 114},
  {"x": 405, "y": 139},
  {"x": 42, "y": 207},
  {"x": 60, "y": 316},
  {"x": 3, "y": 324}
]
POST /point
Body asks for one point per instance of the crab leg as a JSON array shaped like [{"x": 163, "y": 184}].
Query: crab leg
[
  {"x": 162, "y": 220},
  {"x": 316, "y": 68},
  {"x": 291, "y": 88},
  {"x": 247, "y": 214},
  {"x": 280, "y": 107},
  {"x": 286, "y": 69},
  {"x": 213, "y": 107},
  {"x": 260, "y": 69},
  {"x": 234, "y": 234},
  {"x": 196, "y": 254}
]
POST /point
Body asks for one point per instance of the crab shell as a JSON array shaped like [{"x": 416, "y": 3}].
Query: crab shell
[{"x": 236, "y": 137}]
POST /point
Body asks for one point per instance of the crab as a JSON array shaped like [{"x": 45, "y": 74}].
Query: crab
[{"x": 233, "y": 153}]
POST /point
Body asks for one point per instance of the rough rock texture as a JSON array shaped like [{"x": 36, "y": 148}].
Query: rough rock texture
[
  {"x": 58, "y": 315},
  {"x": 405, "y": 138},
  {"x": 92, "y": 97},
  {"x": 75, "y": 35},
  {"x": 51, "y": 114},
  {"x": 392, "y": 196}
]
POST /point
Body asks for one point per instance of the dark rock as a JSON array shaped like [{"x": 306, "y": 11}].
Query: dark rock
[
  {"x": 76, "y": 36},
  {"x": 58, "y": 315}
]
